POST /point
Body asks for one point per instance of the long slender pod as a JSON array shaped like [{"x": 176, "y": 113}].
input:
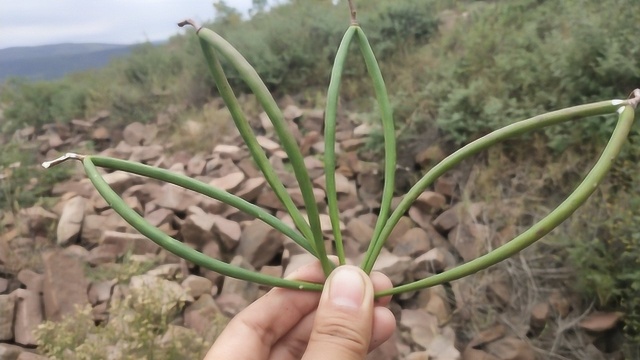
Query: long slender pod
[
  {"x": 204, "y": 189},
  {"x": 330, "y": 114},
  {"x": 253, "y": 81},
  {"x": 560, "y": 213},
  {"x": 176, "y": 247},
  {"x": 252, "y": 143},
  {"x": 386, "y": 116}
]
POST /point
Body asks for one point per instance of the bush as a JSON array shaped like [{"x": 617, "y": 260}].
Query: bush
[
  {"x": 510, "y": 60},
  {"x": 135, "y": 330}
]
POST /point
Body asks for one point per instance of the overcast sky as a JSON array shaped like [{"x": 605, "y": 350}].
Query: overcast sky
[{"x": 38, "y": 22}]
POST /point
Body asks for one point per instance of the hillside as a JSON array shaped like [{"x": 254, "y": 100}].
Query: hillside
[{"x": 50, "y": 62}]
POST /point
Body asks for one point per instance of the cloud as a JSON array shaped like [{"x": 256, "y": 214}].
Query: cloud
[{"x": 35, "y": 22}]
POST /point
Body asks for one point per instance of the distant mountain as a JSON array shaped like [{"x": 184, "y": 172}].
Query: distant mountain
[{"x": 50, "y": 62}]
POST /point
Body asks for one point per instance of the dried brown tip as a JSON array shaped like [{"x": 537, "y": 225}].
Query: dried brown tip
[
  {"x": 191, "y": 22},
  {"x": 61, "y": 159}
]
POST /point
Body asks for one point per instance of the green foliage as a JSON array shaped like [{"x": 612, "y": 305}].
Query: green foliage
[
  {"x": 42, "y": 103},
  {"x": 298, "y": 49},
  {"x": 604, "y": 247},
  {"x": 509, "y": 60},
  {"x": 135, "y": 330},
  {"x": 25, "y": 183},
  {"x": 122, "y": 270}
]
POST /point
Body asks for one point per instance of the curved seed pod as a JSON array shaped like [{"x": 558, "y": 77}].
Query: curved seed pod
[
  {"x": 330, "y": 139},
  {"x": 386, "y": 115},
  {"x": 253, "y": 81},
  {"x": 178, "y": 248},
  {"x": 204, "y": 189},
  {"x": 252, "y": 143},
  {"x": 560, "y": 213}
]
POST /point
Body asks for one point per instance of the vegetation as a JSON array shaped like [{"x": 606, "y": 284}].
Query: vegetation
[{"x": 455, "y": 70}]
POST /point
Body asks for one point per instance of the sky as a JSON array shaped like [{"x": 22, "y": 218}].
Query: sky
[{"x": 38, "y": 22}]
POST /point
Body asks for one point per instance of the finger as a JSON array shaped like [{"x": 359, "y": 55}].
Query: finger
[
  {"x": 293, "y": 344},
  {"x": 343, "y": 323},
  {"x": 258, "y": 327}
]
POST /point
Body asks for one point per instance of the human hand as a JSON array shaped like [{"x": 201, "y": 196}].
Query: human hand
[{"x": 344, "y": 322}]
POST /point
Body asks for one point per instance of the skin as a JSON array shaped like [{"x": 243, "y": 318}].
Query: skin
[{"x": 343, "y": 322}]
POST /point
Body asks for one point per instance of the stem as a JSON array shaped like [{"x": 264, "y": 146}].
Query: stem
[
  {"x": 253, "y": 81},
  {"x": 175, "y": 246},
  {"x": 557, "y": 216},
  {"x": 352, "y": 13},
  {"x": 330, "y": 140},
  {"x": 386, "y": 116}
]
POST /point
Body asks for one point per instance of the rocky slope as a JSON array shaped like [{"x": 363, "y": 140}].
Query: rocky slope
[{"x": 47, "y": 255}]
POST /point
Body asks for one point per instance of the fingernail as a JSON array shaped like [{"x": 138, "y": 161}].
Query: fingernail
[{"x": 346, "y": 288}]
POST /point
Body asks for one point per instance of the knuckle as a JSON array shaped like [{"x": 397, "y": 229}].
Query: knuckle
[{"x": 342, "y": 334}]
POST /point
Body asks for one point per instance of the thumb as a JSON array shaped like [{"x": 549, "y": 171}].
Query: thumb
[{"x": 344, "y": 319}]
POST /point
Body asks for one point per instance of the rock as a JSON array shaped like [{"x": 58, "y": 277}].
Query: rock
[
  {"x": 10, "y": 352},
  {"x": 70, "y": 221},
  {"x": 430, "y": 156},
  {"x": 360, "y": 231},
  {"x": 413, "y": 243},
  {"x": 422, "y": 326},
  {"x": 228, "y": 151},
  {"x": 28, "y": 316},
  {"x": 7, "y": 310},
  {"x": 404, "y": 224},
  {"x": 267, "y": 144},
  {"x": 437, "y": 304},
  {"x": 430, "y": 202},
  {"x": 100, "y": 292},
  {"x": 4, "y": 284},
  {"x": 134, "y": 134},
  {"x": 101, "y": 133},
  {"x": 292, "y": 112},
  {"x": 197, "y": 229},
  {"x": 103, "y": 254},
  {"x": 119, "y": 181},
  {"x": 432, "y": 262},
  {"x": 64, "y": 286},
  {"x": 138, "y": 244},
  {"x": 511, "y": 348},
  {"x": 601, "y": 321},
  {"x": 166, "y": 271},
  {"x": 25, "y": 355},
  {"x": 146, "y": 154},
  {"x": 560, "y": 304},
  {"x": 395, "y": 267},
  {"x": 31, "y": 279},
  {"x": 469, "y": 239},
  {"x": 228, "y": 230},
  {"x": 445, "y": 186},
  {"x": 36, "y": 221},
  {"x": 197, "y": 286},
  {"x": 203, "y": 317},
  {"x": 160, "y": 217},
  {"x": 259, "y": 243},
  {"x": 175, "y": 198},
  {"x": 247, "y": 290},
  {"x": 212, "y": 250},
  {"x": 442, "y": 348},
  {"x": 251, "y": 188},
  {"x": 92, "y": 228},
  {"x": 539, "y": 315},
  {"x": 229, "y": 183},
  {"x": 231, "y": 304}
]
